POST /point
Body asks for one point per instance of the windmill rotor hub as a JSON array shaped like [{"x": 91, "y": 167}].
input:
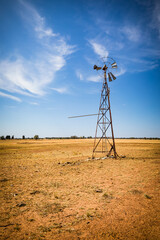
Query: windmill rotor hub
[{"x": 104, "y": 67}]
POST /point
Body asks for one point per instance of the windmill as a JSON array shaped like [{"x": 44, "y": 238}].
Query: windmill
[{"x": 104, "y": 142}]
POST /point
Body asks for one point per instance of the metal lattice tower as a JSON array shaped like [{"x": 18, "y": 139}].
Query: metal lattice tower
[{"x": 104, "y": 143}]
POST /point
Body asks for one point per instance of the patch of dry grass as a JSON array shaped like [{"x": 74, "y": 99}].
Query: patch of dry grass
[{"x": 49, "y": 185}]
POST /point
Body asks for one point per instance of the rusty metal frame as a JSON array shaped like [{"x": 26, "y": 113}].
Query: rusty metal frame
[{"x": 104, "y": 123}]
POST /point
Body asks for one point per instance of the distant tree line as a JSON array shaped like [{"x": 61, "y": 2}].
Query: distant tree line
[
  {"x": 12, "y": 137},
  {"x": 72, "y": 137},
  {"x": 147, "y": 138},
  {"x": 7, "y": 137},
  {"x": 36, "y": 137}
]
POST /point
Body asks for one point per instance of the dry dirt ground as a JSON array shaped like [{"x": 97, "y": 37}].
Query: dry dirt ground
[{"x": 49, "y": 190}]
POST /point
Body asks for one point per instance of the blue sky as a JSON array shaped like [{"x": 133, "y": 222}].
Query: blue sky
[{"x": 47, "y": 52}]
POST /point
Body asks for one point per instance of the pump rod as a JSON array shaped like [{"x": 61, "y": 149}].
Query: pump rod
[{"x": 83, "y": 115}]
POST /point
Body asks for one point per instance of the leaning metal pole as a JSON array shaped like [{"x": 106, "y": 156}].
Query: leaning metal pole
[
  {"x": 113, "y": 145},
  {"x": 103, "y": 144}
]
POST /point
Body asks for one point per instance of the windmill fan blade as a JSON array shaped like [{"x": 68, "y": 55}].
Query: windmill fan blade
[
  {"x": 97, "y": 68},
  {"x": 110, "y": 79},
  {"x": 114, "y": 78},
  {"x": 114, "y": 65}
]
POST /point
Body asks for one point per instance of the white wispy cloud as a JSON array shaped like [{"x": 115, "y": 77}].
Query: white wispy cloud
[
  {"x": 34, "y": 103},
  {"x": 31, "y": 15},
  {"x": 130, "y": 48},
  {"x": 31, "y": 76},
  {"x": 120, "y": 71},
  {"x": 99, "y": 49},
  {"x": 153, "y": 7},
  {"x": 94, "y": 78},
  {"x": 79, "y": 75},
  {"x": 133, "y": 35},
  {"x": 10, "y": 96},
  {"x": 131, "y": 32},
  {"x": 156, "y": 17},
  {"x": 61, "y": 90}
]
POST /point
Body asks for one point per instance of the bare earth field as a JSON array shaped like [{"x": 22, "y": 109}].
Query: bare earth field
[{"x": 50, "y": 191}]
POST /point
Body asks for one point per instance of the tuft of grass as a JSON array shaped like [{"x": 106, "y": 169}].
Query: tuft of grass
[
  {"x": 107, "y": 196},
  {"x": 75, "y": 153},
  {"x": 17, "y": 227},
  {"x": 135, "y": 191},
  {"x": 31, "y": 220},
  {"x": 45, "y": 229},
  {"x": 57, "y": 225},
  {"x": 89, "y": 215},
  {"x": 56, "y": 184},
  {"x": 35, "y": 192},
  {"x": 4, "y": 180},
  {"x": 58, "y": 207},
  {"x": 41, "y": 235},
  {"x": 51, "y": 208},
  {"x": 56, "y": 196},
  {"x": 147, "y": 196}
]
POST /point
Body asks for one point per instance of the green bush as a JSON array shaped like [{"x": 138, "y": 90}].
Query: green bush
[{"x": 36, "y": 137}]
